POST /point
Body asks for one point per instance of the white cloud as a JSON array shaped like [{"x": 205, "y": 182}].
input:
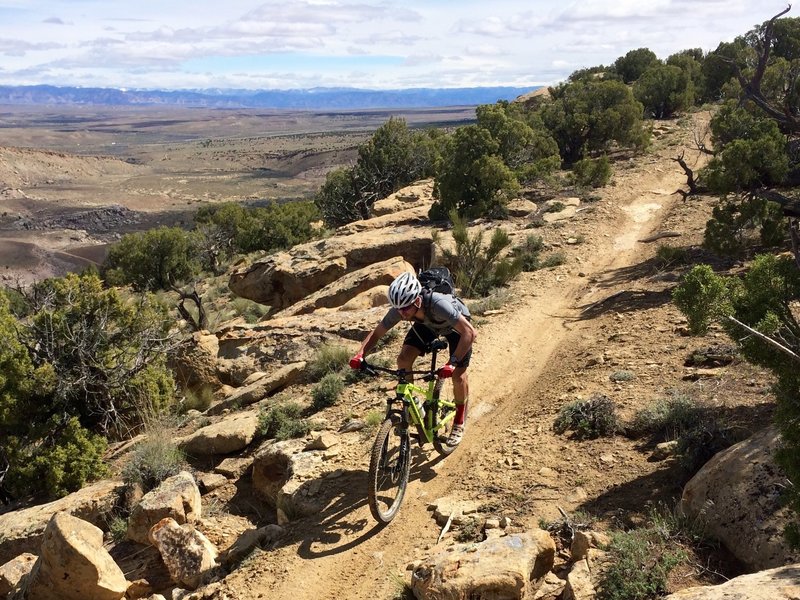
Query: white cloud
[{"x": 367, "y": 43}]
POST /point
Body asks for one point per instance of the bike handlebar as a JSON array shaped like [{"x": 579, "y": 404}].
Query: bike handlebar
[{"x": 375, "y": 369}]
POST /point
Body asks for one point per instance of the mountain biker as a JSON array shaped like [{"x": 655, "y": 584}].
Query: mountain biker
[{"x": 433, "y": 314}]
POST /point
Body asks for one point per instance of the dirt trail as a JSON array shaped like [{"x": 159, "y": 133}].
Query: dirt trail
[{"x": 344, "y": 555}]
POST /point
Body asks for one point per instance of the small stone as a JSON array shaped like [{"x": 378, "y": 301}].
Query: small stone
[
  {"x": 211, "y": 481},
  {"x": 352, "y": 425},
  {"x": 492, "y": 523},
  {"x": 664, "y": 450},
  {"x": 607, "y": 459},
  {"x": 323, "y": 441}
]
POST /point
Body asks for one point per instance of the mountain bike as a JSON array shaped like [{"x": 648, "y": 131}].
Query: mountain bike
[{"x": 390, "y": 461}]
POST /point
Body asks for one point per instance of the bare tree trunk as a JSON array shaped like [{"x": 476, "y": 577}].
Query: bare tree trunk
[
  {"x": 694, "y": 188},
  {"x": 202, "y": 321}
]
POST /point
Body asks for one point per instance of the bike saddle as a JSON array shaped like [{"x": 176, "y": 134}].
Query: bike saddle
[{"x": 439, "y": 344}]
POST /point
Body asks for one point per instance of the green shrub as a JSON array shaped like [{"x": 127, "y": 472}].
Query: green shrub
[
  {"x": 283, "y": 422},
  {"x": 667, "y": 418},
  {"x": 373, "y": 419},
  {"x": 230, "y": 227},
  {"x": 734, "y": 224},
  {"x": 702, "y": 297},
  {"x": 529, "y": 253},
  {"x": 152, "y": 260},
  {"x": 251, "y": 312},
  {"x": 591, "y": 115},
  {"x": 478, "y": 269},
  {"x": 664, "y": 90},
  {"x": 640, "y": 562},
  {"x": 100, "y": 368},
  {"x": 592, "y": 172},
  {"x": 472, "y": 179},
  {"x": 697, "y": 429},
  {"x": 197, "y": 399},
  {"x": 118, "y": 528},
  {"x": 153, "y": 460},
  {"x": 634, "y": 63},
  {"x": 619, "y": 376},
  {"x": 64, "y": 463},
  {"x": 588, "y": 419},
  {"x": 328, "y": 358},
  {"x": 699, "y": 444},
  {"x": 670, "y": 256},
  {"x": 393, "y": 157},
  {"x": 554, "y": 259},
  {"x": 327, "y": 391}
]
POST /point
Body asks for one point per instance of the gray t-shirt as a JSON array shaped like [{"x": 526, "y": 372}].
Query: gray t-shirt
[{"x": 441, "y": 313}]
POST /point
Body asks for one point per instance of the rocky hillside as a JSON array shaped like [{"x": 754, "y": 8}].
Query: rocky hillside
[{"x": 519, "y": 510}]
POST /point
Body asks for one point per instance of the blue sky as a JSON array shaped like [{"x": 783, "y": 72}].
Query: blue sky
[{"x": 182, "y": 44}]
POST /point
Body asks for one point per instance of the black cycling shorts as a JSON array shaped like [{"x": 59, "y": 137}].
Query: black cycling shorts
[{"x": 421, "y": 338}]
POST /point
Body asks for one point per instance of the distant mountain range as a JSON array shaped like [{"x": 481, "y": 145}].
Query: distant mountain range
[{"x": 314, "y": 98}]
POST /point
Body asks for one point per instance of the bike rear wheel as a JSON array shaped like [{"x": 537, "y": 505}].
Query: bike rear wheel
[{"x": 388, "y": 471}]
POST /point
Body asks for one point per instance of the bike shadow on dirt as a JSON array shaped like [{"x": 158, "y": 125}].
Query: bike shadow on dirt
[{"x": 345, "y": 523}]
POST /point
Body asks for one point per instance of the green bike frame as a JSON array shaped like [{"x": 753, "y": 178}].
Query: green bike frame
[{"x": 430, "y": 425}]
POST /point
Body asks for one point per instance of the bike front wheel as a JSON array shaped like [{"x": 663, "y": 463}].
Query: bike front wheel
[{"x": 388, "y": 471}]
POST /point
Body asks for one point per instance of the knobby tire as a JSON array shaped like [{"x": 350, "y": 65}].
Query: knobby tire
[{"x": 389, "y": 467}]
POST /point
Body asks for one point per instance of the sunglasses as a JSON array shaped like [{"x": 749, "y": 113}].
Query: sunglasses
[{"x": 408, "y": 308}]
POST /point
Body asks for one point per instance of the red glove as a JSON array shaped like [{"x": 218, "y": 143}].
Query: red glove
[
  {"x": 355, "y": 362},
  {"x": 446, "y": 371}
]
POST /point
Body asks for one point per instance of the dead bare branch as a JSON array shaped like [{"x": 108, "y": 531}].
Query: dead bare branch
[
  {"x": 694, "y": 187},
  {"x": 751, "y": 90},
  {"x": 769, "y": 340},
  {"x": 699, "y": 143},
  {"x": 199, "y": 323}
]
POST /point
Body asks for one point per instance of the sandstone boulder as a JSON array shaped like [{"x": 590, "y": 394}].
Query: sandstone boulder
[
  {"x": 187, "y": 553},
  {"x": 22, "y": 530},
  {"x": 260, "y": 389},
  {"x": 238, "y": 372},
  {"x": 377, "y": 296},
  {"x": 738, "y": 496},
  {"x": 287, "y": 477},
  {"x": 284, "y": 278},
  {"x": 231, "y": 434},
  {"x": 349, "y": 286},
  {"x": 419, "y": 193},
  {"x": 13, "y": 571},
  {"x": 521, "y": 207},
  {"x": 782, "y": 583},
  {"x": 579, "y": 582},
  {"x": 73, "y": 565},
  {"x": 195, "y": 362},
  {"x": 512, "y": 566},
  {"x": 417, "y": 215},
  {"x": 249, "y": 539},
  {"x": 178, "y": 497}
]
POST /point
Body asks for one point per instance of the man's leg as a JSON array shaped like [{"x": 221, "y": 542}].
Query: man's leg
[
  {"x": 408, "y": 354},
  {"x": 460, "y": 394},
  {"x": 461, "y": 398}
]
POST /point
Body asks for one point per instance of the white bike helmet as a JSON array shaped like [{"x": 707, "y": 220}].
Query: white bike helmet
[{"x": 404, "y": 290}]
